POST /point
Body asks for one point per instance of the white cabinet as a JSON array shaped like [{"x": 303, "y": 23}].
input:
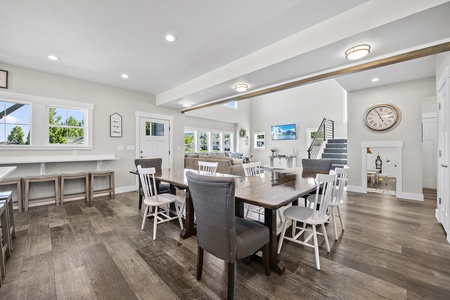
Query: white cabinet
[
  {"x": 283, "y": 162},
  {"x": 443, "y": 185}
]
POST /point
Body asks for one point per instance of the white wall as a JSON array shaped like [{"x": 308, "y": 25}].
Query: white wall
[
  {"x": 407, "y": 97},
  {"x": 107, "y": 100},
  {"x": 305, "y": 106}
]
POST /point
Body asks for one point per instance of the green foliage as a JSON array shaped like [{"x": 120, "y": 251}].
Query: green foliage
[
  {"x": 16, "y": 136},
  {"x": 60, "y": 135}
]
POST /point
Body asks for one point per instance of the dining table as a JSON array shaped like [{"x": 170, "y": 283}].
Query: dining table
[{"x": 271, "y": 190}]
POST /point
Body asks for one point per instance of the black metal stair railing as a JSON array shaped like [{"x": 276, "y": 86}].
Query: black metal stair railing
[{"x": 323, "y": 133}]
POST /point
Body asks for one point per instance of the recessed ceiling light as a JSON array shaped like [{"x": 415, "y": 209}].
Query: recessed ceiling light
[
  {"x": 357, "y": 52},
  {"x": 124, "y": 76},
  {"x": 375, "y": 79},
  {"x": 241, "y": 87},
  {"x": 52, "y": 57},
  {"x": 170, "y": 38},
  {"x": 186, "y": 103}
]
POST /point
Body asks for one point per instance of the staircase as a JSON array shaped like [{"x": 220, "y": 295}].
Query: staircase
[{"x": 336, "y": 150}]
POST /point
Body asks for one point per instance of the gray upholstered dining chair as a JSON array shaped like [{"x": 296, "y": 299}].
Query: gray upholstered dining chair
[
  {"x": 323, "y": 165},
  {"x": 219, "y": 231},
  {"x": 156, "y": 163}
]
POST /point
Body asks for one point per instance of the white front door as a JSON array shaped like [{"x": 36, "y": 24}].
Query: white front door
[
  {"x": 154, "y": 139},
  {"x": 429, "y": 152}
]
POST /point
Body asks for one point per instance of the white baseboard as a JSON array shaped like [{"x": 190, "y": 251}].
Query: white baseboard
[
  {"x": 410, "y": 196},
  {"x": 356, "y": 189},
  {"x": 126, "y": 189}
]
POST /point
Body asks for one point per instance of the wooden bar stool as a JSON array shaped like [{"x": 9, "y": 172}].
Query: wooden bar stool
[
  {"x": 110, "y": 189},
  {"x": 18, "y": 183},
  {"x": 82, "y": 175},
  {"x": 7, "y": 230},
  {"x": 36, "y": 179}
]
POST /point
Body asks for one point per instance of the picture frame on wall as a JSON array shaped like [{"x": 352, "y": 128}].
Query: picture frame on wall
[
  {"x": 115, "y": 125},
  {"x": 3, "y": 79}
]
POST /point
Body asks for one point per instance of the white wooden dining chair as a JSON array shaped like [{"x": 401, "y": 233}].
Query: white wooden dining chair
[
  {"x": 315, "y": 215},
  {"x": 337, "y": 198},
  {"x": 208, "y": 167},
  {"x": 159, "y": 203},
  {"x": 254, "y": 169}
]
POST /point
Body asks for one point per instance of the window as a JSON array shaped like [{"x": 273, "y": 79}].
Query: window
[
  {"x": 227, "y": 142},
  {"x": 216, "y": 142},
  {"x": 154, "y": 129},
  {"x": 33, "y": 122},
  {"x": 203, "y": 140},
  {"x": 189, "y": 141},
  {"x": 14, "y": 123},
  {"x": 66, "y": 126},
  {"x": 231, "y": 104},
  {"x": 259, "y": 139}
]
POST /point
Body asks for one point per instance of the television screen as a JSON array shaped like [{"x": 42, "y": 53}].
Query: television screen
[{"x": 284, "y": 132}]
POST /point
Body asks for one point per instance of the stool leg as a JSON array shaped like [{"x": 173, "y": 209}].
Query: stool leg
[
  {"x": 27, "y": 194},
  {"x": 112, "y": 184},
  {"x": 61, "y": 197},
  {"x": 57, "y": 191},
  {"x": 19, "y": 195},
  {"x": 86, "y": 187},
  {"x": 91, "y": 188}
]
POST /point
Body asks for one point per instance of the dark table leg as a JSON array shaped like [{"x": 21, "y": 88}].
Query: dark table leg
[
  {"x": 189, "y": 226},
  {"x": 270, "y": 220}
]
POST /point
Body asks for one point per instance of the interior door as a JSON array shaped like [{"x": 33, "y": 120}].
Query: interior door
[
  {"x": 154, "y": 139},
  {"x": 443, "y": 156},
  {"x": 429, "y": 152}
]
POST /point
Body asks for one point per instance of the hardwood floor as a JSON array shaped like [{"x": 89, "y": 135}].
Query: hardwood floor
[{"x": 390, "y": 249}]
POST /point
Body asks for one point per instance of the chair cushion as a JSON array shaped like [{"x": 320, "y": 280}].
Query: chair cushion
[{"x": 250, "y": 237}]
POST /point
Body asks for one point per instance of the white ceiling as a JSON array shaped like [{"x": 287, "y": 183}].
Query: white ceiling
[{"x": 219, "y": 43}]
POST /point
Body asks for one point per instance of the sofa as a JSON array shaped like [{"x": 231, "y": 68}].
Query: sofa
[{"x": 226, "y": 165}]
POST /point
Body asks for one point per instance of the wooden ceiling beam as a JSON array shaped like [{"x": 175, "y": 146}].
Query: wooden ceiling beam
[{"x": 395, "y": 59}]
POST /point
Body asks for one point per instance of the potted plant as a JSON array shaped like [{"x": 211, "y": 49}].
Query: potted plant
[{"x": 274, "y": 150}]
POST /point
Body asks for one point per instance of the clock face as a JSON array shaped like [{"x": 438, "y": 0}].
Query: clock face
[{"x": 381, "y": 117}]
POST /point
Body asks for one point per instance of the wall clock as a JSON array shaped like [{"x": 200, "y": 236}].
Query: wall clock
[{"x": 381, "y": 117}]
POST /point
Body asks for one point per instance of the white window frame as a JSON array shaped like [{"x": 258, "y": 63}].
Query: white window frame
[
  {"x": 39, "y": 131},
  {"x": 209, "y": 133},
  {"x": 9, "y": 146}
]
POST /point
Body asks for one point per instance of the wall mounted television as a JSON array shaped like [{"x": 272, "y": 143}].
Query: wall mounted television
[{"x": 283, "y": 132}]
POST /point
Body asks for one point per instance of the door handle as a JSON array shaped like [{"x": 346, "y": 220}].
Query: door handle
[{"x": 444, "y": 166}]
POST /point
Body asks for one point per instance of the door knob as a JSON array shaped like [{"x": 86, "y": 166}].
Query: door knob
[{"x": 444, "y": 166}]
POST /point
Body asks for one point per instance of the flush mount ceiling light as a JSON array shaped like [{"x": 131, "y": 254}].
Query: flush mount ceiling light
[
  {"x": 186, "y": 103},
  {"x": 357, "y": 52},
  {"x": 170, "y": 38},
  {"x": 124, "y": 76},
  {"x": 375, "y": 79},
  {"x": 52, "y": 57},
  {"x": 241, "y": 87}
]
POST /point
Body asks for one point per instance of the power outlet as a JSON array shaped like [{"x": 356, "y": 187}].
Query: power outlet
[
  {"x": 130, "y": 148},
  {"x": 120, "y": 148}
]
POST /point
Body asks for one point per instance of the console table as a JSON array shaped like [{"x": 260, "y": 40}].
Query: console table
[{"x": 283, "y": 162}]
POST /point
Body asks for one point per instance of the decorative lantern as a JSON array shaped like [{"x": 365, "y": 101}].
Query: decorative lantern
[{"x": 378, "y": 163}]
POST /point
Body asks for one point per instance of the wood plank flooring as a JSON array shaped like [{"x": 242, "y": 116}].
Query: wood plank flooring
[{"x": 390, "y": 249}]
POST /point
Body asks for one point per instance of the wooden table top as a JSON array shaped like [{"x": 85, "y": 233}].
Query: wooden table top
[{"x": 273, "y": 189}]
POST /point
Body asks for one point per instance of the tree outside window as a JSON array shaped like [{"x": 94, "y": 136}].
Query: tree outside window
[
  {"x": 203, "y": 141},
  {"x": 189, "y": 145},
  {"x": 66, "y": 126}
]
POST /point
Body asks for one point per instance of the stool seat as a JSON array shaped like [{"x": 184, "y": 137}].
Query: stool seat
[
  {"x": 74, "y": 176},
  {"x": 41, "y": 178},
  {"x": 17, "y": 181},
  {"x": 110, "y": 189}
]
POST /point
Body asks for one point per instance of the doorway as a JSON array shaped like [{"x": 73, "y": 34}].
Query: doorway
[
  {"x": 382, "y": 170},
  {"x": 153, "y": 137},
  {"x": 395, "y": 149}
]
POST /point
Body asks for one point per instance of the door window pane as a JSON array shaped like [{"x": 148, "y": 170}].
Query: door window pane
[{"x": 154, "y": 129}]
